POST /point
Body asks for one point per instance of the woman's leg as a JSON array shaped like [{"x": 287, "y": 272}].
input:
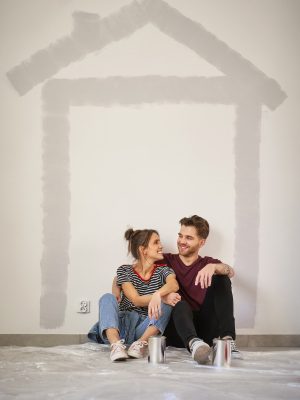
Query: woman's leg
[
  {"x": 149, "y": 327},
  {"x": 109, "y": 327},
  {"x": 109, "y": 318}
]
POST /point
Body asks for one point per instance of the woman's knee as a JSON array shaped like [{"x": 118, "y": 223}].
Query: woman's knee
[
  {"x": 107, "y": 298},
  {"x": 166, "y": 308}
]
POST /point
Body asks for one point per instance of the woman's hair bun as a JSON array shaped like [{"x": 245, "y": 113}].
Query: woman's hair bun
[{"x": 129, "y": 233}]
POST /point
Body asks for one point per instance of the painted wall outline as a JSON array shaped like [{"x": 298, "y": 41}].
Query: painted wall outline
[{"x": 242, "y": 85}]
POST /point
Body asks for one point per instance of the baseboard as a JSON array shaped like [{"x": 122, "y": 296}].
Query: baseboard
[
  {"x": 48, "y": 340},
  {"x": 268, "y": 340},
  {"x": 41, "y": 340}
]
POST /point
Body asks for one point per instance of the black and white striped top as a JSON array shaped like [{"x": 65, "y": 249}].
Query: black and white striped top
[{"x": 126, "y": 273}]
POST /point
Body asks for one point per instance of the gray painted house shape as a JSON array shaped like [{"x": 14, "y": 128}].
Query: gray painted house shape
[{"x": 242, "y": 85}]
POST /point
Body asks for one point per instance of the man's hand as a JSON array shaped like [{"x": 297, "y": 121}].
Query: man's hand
[
  {"x": 154, "y": 307},
  {"x": 205, "y": 275},
  {"x": 172, "y": 299}
]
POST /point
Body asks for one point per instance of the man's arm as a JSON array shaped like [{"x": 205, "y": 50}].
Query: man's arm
[
  {"x": 224, "y": 269},
  {"x": 204, "y": 276}
]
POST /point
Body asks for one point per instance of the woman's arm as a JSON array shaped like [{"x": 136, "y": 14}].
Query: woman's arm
[
  {"x": 153, "y": 301},
  {"x": 116, "y": 290},
  {"x": 154, "y": 306},
  {"x": 131, "y": 293}
]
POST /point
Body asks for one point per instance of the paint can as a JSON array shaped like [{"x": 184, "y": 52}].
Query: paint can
[
  {"x": 157, "y": 349},
  {"x": 221, "y": 353}
]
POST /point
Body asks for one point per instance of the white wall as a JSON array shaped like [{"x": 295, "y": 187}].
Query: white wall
[{"x": 148, "y": 165}]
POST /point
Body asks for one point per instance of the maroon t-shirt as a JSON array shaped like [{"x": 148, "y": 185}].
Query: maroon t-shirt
[{"x": 186, "y": 276}]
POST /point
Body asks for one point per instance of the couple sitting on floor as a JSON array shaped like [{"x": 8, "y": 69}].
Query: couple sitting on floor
[{"x": 185, "y": 296}]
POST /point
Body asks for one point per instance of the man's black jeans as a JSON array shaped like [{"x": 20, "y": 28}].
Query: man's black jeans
[{"x": 214, "y": 318}]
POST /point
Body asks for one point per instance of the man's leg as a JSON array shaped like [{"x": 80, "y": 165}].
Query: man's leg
[
  {"x": 216, "y": 318},
  {"x": 223, "y": 304},
  {"x": 184, "y": 334},
  {"x": 182, "y": 320},
  {"x": 173, "y": 339}
]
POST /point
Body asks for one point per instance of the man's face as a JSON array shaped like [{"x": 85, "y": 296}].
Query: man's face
[{"x": 188, "y": 242}]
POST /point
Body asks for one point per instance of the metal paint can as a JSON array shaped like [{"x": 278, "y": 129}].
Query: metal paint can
[
  {"x": 157, "y": 349},
  {"x": 221, "y": 353}
]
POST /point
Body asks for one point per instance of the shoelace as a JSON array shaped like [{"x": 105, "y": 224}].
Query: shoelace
[
  {"x": 139, "y": 344},
  {"x": 118, "y": 345},
  {"x": 233, "y": 346}
]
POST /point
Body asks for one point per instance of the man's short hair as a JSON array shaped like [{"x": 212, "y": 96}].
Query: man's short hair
[{"x": 201, "y": 225}]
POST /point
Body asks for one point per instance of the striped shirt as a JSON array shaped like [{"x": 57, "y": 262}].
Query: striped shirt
[{"x": 126, "y": 273}]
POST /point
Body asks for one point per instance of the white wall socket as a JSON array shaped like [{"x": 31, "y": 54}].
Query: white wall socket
[{"x": 84, "y": 306}]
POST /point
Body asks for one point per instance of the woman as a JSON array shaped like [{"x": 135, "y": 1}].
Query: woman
[{"x": 141, "y": 312}]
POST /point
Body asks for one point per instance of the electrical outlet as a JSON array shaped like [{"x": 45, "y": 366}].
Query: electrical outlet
[{"x": 84, "y": 306}]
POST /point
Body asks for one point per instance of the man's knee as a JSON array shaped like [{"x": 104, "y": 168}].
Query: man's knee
[
  {"x": 182, "y": 307},
  {"x": 221, "y": 281}
]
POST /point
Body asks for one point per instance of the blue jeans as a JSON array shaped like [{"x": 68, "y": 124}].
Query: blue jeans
[{"x": 131, "y": 324}]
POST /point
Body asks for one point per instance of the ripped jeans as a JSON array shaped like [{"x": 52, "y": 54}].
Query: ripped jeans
[{"x": 131, "y": 324}]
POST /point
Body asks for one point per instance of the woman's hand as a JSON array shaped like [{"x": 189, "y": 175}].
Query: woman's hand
[
  {"x": 172, "y": 299},
  {"x": 154, "y": 307}
]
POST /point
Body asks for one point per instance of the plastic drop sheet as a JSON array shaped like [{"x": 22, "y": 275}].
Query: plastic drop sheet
[{"x": 86, "y": 372}]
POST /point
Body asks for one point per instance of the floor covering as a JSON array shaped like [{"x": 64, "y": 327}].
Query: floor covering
[{"x": 84, "y": 372}]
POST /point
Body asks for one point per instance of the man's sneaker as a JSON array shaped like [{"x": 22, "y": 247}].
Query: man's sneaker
[
  {"x": 235, "y": 353},
  {"x": 138, "y": 349},
  {"x": 118, "y": 351},
  {"x": 200, "y": 351}
]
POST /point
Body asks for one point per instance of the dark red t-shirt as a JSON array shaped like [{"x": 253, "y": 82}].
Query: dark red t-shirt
[{"x": 186, "y": 276}]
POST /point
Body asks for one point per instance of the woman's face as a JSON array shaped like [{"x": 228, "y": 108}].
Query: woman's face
[{"x": 154, "y": 248}]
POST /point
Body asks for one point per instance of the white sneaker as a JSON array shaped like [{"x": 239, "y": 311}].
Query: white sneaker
[
  {"x": 200, "y": 351},
  {"x": 118, "y": 351},
  {"x": 235, "y": 353},
  {"x": 138, "y": 349}
]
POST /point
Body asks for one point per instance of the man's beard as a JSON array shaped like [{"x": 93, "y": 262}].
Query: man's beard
[{"x": 187, "y": 252}]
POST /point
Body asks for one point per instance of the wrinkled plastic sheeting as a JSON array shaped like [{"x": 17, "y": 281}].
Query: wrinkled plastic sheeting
[{"x": 86, "y": 372}]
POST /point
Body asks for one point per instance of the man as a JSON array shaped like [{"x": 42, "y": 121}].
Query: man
[{"x": 203, "y": 309}]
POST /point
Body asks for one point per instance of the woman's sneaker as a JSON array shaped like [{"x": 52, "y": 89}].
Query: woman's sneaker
[
  {"x": 200, "y": 350},
  {"x": 118, "y": 351},
  {"x": 138, "y": 349}
]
